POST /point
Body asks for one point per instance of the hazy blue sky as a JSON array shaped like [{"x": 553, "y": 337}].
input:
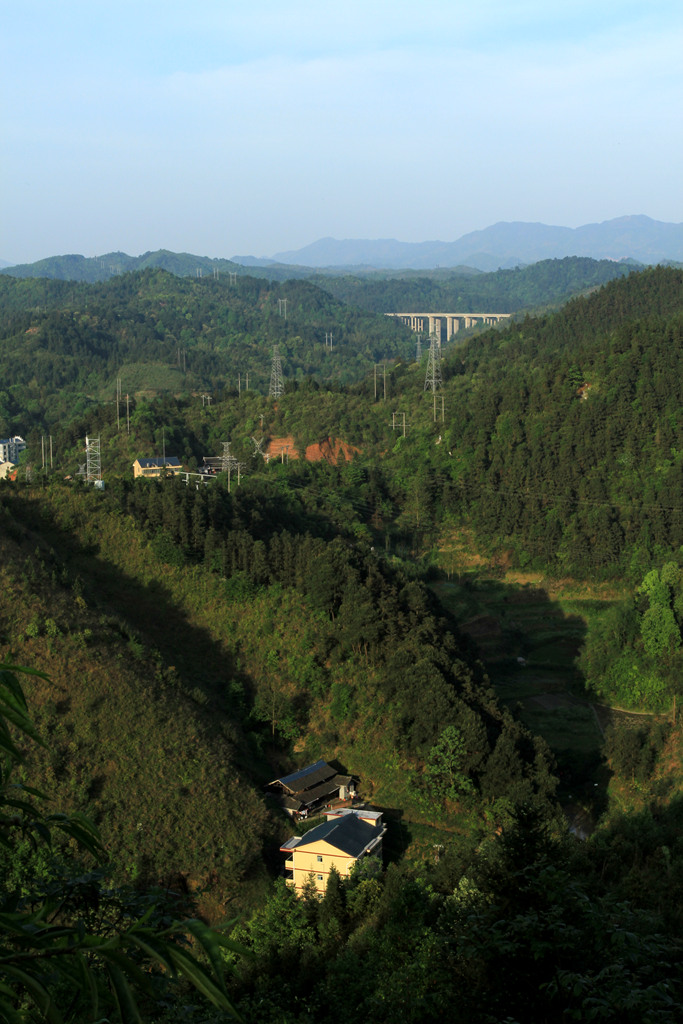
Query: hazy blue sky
[{"x": 222, "y": 128}]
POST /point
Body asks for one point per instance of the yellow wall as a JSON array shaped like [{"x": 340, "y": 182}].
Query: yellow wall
[
  {"x": 306, "y": 863},
  {"x": 138, "y": 470}
]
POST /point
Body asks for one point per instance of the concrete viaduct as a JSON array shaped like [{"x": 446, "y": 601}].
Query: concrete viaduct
[{"x": 432, "y": 323}]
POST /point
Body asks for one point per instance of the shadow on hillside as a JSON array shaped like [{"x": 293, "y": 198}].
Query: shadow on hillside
[
  {"x": 398, "y": 835},
  {"x": 529, "y": 646},
  {"x": 184, "y": 658}
]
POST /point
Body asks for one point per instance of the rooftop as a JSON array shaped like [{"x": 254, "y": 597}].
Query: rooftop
[
  {"x": 159, "y": 461},
  {"x": 349, "y": 834},
  {"x": 305, "y": 778}
]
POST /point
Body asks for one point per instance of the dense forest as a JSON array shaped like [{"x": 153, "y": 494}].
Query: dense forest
[
  {"x": 195, "y": 639},
  {"x": 63, "y": 345},
  {"x": 544, "y": 284}
]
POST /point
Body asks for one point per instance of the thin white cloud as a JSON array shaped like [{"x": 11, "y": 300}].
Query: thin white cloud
[{"x": 288, "y": 122}]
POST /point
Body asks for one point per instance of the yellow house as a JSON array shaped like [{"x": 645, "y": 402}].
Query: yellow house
[
  {"x": 164, "y": 466},
  {"x": 340, "y": 842}
]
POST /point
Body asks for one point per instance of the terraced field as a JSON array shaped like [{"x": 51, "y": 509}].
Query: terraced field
[{"x": 529, "y": 638}]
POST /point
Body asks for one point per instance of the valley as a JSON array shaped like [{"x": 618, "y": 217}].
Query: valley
[{"x": 463, "y": 589}]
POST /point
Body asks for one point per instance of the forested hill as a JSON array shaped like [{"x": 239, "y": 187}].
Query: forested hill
[
  {"x": 194, "y": 640},
  {"x": 101, "y": 268},
  {"x": 543, "y": 284},
  {"x": 63, "y": 345},
  {"x": 561, "y": 439},
  {"x": 200, "y": 639},
  {"x": 546, "y": 283},
  {"x": 566, "y": 436}
]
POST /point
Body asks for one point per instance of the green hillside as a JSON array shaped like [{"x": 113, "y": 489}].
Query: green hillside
[
  {"x": 63, "y": 346},
  {"x": 493, "y": 564},
  {"x": 543, "y": 284}
]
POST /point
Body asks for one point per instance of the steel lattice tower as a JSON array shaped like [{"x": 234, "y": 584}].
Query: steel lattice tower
[
  {"x": 433, "y": 379},
  {"x": 93, "y": 461},
  {"x": 277, "y": 385},
  {"x": 418, "y": 350}
]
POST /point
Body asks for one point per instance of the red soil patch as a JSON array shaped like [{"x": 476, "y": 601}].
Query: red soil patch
[
  {"x": 329, "y": 450},
  {"x": 277, "y": 446}
]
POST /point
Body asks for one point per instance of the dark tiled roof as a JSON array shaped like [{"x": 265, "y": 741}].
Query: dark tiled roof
[
  {"x": 305, "y": 778},
  {"x": 325, "y": 789},
  {"x": 348, "y": 834}
]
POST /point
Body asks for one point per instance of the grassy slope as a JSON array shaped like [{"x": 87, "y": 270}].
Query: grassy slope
[
  {"x": 153, "y": 672},
  {"x": 131, "y": 708}
]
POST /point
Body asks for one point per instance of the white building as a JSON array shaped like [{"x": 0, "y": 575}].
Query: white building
[{"x": 10, "y": 447}]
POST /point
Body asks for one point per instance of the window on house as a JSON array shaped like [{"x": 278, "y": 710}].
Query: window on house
[
  {"x": 320, "y": 878},
  {"x": 319, "y": 859}
]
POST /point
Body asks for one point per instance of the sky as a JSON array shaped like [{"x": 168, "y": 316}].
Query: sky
[{"x": 223, "y": 128}]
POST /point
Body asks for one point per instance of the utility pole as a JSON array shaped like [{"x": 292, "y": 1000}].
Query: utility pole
[
  {"x": 385, "y": 380},
  {"x": 232, "y": 274},
  {"x": 393, "y": 421},
  {"x": 418, "y": 351},
  {"x": 127, "y": 412}
]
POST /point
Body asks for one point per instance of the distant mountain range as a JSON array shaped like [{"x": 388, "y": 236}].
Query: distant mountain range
[
  {"x": 100, "y": 268},
  {"x": 507, "y": 244}
]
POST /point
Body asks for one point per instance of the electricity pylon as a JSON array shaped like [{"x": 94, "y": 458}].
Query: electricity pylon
[
  {"x": 93, "y": 462},
  {"x": 258, "y": 447},
  {"x": 277, "y": 385},
  {"x": 433, "y": 379}
]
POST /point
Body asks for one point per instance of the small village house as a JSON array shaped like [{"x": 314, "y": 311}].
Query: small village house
[
  {"x": 305, "y": 791},
  {"x": 157, "y": 466},
  {"x": 346, "y": 837}
]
